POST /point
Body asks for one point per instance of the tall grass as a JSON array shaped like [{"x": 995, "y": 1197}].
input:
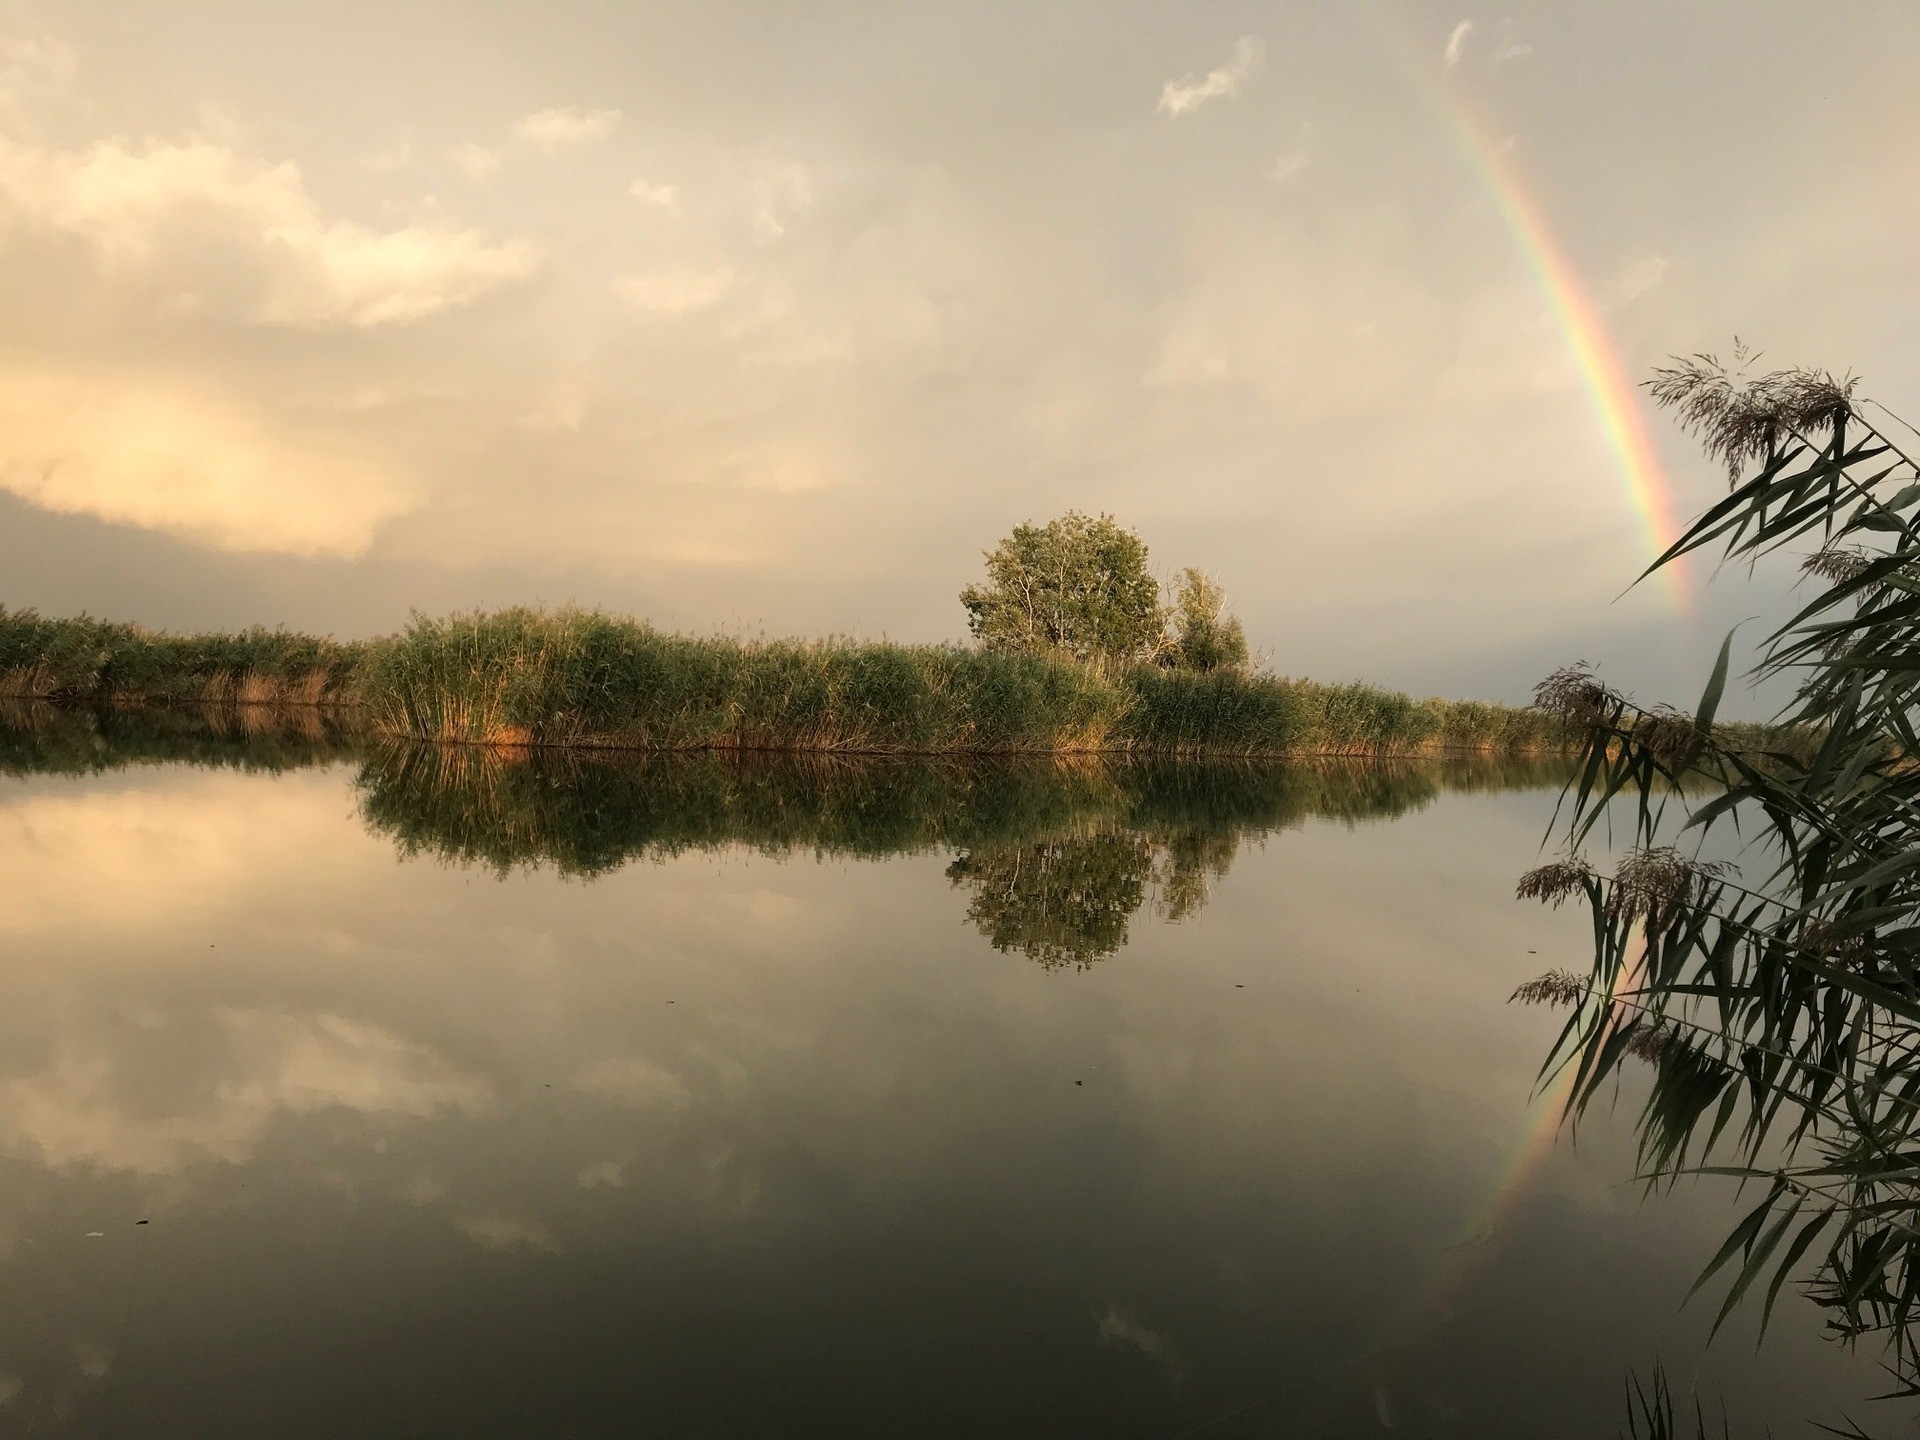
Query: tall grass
[
  {"x": 89, "y": 660},
  {"x": 580, "y": 678},
  {"x": 577, "y": 678}
]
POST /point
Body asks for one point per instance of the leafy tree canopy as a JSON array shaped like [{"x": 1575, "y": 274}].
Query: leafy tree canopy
[
  {"x": 1202, "y": 636},
  {"x": 1080, "y": 584}
]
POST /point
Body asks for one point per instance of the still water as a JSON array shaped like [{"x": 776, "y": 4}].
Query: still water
[{"x": 388, "y": 1094}]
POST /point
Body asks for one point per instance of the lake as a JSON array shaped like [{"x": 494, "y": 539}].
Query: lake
[{"x": 404, "y": 1093}]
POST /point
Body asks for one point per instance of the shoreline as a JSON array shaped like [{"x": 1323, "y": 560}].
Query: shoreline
[{"x": 581, "y": 681}]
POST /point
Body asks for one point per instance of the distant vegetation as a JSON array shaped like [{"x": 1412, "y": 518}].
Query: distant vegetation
[
  {"x": 582, "y": 678},
  {"x": 1079, "y": 652},
  {"x": 88, "y": 660}
]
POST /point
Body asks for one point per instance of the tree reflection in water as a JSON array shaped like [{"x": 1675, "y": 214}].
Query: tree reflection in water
[{"x": 1068, "y": 902}]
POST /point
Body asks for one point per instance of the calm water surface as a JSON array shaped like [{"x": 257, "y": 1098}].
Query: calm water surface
[{"x": 703, "y": 1099}]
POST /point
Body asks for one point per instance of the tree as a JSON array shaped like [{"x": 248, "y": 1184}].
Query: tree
[
  {"x": 1078, "y": 584},
  {"x": 1203, "y": 636}
]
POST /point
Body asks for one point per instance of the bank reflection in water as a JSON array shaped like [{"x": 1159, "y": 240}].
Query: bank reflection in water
[{"x": 1057, "y": 858}]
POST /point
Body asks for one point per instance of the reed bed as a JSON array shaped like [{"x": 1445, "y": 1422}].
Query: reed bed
[
  {"x": 88, "y": 661},
  {"x": 584, "y": 679}
]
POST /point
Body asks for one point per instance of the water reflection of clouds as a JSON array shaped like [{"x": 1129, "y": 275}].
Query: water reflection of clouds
[
  {"x": 132, "y": 859},
  {"x": 791, "y": 1089},
  {"x": 154, "y": 1107},
  {"x": 341, "y": 983}
]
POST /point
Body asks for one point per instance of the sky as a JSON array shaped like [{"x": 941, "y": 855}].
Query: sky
[{"x": 770, "y": 319}]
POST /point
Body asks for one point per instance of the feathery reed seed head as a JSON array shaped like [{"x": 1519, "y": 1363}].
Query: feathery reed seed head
[
  {"x": 1554, "y": 882},
  {"x": 1559, "y": 988},
  {"x": 1737, "y": 419},
  {"x": 1651, "y": 884}
]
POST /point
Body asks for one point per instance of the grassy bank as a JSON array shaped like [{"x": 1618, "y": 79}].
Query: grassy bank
[
  {"x": 582, "y": 679},
  {"x": 92, "y": 661},
  {"x": 587, "y": 680}
]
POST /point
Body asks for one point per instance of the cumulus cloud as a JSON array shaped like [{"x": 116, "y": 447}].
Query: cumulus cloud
[
  {"x": 1178, "y": 97},
  {"x": 1457, "y": 43},
  {"x": 164, "y": 457},
  {"x": 566, "y": 125},
  {"x": 667, "y": 197},
  {"x": 676, "y": 292},
  {"x": 131, "y": 203}
]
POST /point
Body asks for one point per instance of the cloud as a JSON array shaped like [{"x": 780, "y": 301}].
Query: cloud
[
  {"x": 1636, "y": 278},
  {"x": 503, "y": 1232},
  {"x": 667, "y": 197},
  {"x": 631, "y": 1080},
  {"x": 164, "y": 457},
  {"x": 610, "y": 1173},
  {"x": 1119, "y": 1329},
  {"x": 134, "y": 204},
  {"x": 1293, "y": 161},
  {"x": 552, "y": 130},
  {"x": 33, "y": 63},
  {"x": 675, "y": 292},
  {"x": 781, "y": 194},
  {"x": 477, "y": 161},
  {"x": 397, "y": 156},
  {"x": 93, "y": 1358},
  {"x": 1177, "y": 97},
  {"x": 1457, "y": 43},
  {"x": 1509, "y": 50}
]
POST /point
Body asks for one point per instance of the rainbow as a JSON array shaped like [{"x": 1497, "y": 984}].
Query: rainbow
[
  {"x": 1608, "y": 383},
  {"x": 1429, "y": 1303},
  {"x": 1513, "y": 1178}
]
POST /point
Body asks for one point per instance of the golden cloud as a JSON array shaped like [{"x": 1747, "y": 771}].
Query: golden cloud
[{"x": 164, "y": 457}]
